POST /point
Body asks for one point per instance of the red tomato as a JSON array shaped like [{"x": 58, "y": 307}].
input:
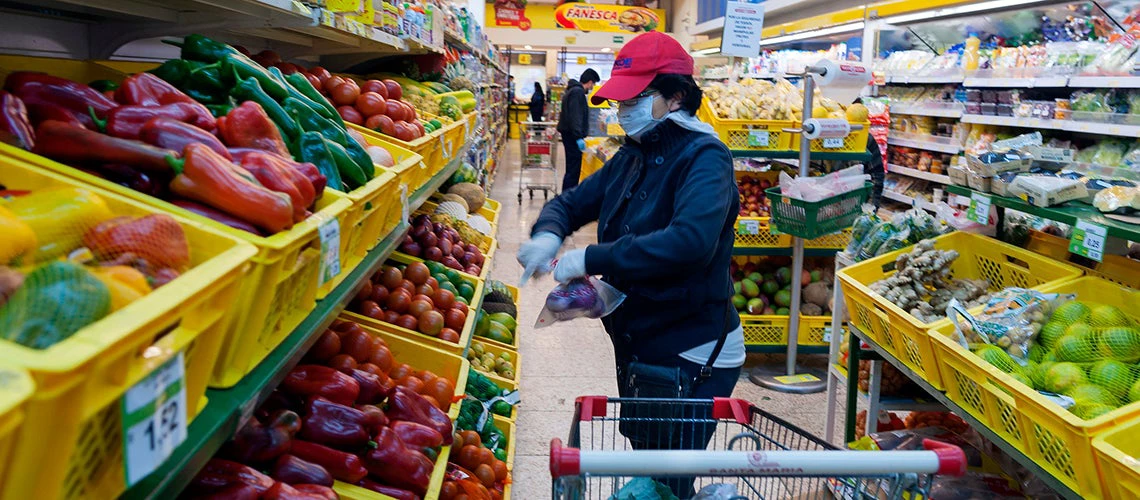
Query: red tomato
[
  {"x": 326, "y": 347},
  {"x": 332, "y": 82},
  {"x": 384, "y": 124},
  {"x": 449, "y": 335},
  {"x": 313, "y": 80},
  {"x": 342, "y": 363},
  {"x": 420, "y": 130},
  {"x": 371, "y": 103},
  {"x": 394, "y": 110},
  {"x": 321, "y": 73},
  {"x": 376, "y": 86},
  {"x": 382, "y": 358},
  {"x": 271, "y": 56},
  {"x": 442, "y": 390},
  {"x": 454, "y": 318},
  {"x": 400, "y": 372},
  {"x": 345, "y": 95},
  {"x": 350, "y": 115},
  {"x": 373, "y": 122},
  {"x": 411, "y": 111},
  {"x": 395, "y": 91},
  {"x": 371, "y": 309},
  {"x": 390, "y": 317}
]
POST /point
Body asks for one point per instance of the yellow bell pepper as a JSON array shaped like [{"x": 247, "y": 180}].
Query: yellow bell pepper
[
  {"x": 19, "y": 241},
  {"x": 126, "y": 284},
  {"x": 59, "y": 217}
]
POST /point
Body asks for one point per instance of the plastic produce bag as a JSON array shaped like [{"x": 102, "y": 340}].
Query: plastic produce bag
[
  {"x": 643, "y": 488},
  {"x": 587, "y": 297},
  {"x": 1010, "y": 320}
]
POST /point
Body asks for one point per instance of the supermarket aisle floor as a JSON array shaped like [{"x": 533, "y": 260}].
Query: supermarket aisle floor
[{"x": 562, "y": 362}]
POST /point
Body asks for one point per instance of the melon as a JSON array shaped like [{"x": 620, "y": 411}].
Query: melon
[{"x": 470, "y": 192}]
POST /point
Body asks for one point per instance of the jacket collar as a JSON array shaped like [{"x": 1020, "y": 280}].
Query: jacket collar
[{"x": 666, "y": 138}]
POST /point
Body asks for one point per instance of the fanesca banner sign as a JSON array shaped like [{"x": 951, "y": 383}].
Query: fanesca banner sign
[{"x": 575, "y": 16}]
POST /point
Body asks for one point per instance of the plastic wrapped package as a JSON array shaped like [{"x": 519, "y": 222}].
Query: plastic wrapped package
[
  {"x": 587, "y": 297},
  {"x": 1117, "y": 199},
  {"x": 1009, "y": 322}
]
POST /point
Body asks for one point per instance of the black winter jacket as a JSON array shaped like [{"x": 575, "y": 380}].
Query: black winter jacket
[
  {"x": 572, "y": 120},
  {"x": 666, "y": 212}
]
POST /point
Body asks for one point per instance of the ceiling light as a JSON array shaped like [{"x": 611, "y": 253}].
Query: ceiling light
[
  {"x": 527, "y": 47},
  {"x": 705, "y": 52},
  {"x": 605, "y": 49},
  {"x": 955, "y": 11},
  {"x": 834, "y": 30}
]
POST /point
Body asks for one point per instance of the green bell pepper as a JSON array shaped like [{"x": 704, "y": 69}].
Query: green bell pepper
[
  {"x": 200, "y": 48},
  {"x": 311, "y": 148},
  {"x": 174, "y": 71},
  {"x": 56, "y": 300},
  {"x": 240, "y": 68},
  {"x": 103, "y": 85},
  {"x": 206, "y": 77},
  {"x": 310, "y": 121},
  {"x": 205, "y": 96},
  {"x": 296, "y": 94},
  {"x": 350, "y": 172},
  {"x": 250, "y": 90},
  {"x": 304, "y": 86}
]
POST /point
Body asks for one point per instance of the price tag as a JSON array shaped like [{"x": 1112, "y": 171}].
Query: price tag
[
  {"x": 833, "y": 142},
  {"x": 329, "y": 232},
  {"x": 327, "y": 18},
  {"x": 979, "y": 210},
  {"x": 827, "y": 334},
  {"x": 154, "y": 419},
  {"x": 748, "y": 227},
  {"x": 1088, "y": 240},
  {"x": 758, "y": 138},
  {"x": 405, "y": 210},
  {"x": 445, "y": 148}
]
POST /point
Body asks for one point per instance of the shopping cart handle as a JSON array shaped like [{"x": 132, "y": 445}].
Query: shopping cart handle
[
  {"x": 951, "y": 459},
  {"x": 564, "y": 461}
]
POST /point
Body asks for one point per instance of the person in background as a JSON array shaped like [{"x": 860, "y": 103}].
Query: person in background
[
  {"x": 666, "y": 206},
  {"x": 573, "y": 124},
  {"x": 537, "y": 103},
  {"x": 511, "y": 90}
]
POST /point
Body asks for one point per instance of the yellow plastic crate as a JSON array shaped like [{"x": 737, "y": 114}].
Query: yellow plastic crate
[
  {"x": 452, "y": 136},
  {"x": 71, "y": 442},
  {"x": 407, "y": 166},
  {"x": 1055, "y": 439},
  {"x": 750, "y": 135},
  {"x": 72, "y": 69},
  {"x": 1117, "y": 451},
  {"x": 495, "y": 207},
  {"x": 15, "y": 392},
  {"x": 766, "y": 329},
  {"x": 855, "y": 142},
  {"x": 278, "y": 292},
  {"x": 427, "y": 147},
  {"x": 980, "y": 257},
  {"x": 508, "y": 429},
  {"x": 831, "y": 241},
  {"x": 1114, "y": 268},
  {"x": 365, "y": 221},
  {"x": 814, "y": 331},
  {"x": 492, "y": 215}
]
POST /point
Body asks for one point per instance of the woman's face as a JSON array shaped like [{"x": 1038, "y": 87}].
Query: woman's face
[{"x": 663, "y": 106}]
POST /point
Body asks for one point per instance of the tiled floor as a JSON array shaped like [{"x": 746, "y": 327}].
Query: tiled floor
[{"x": 562, "y": 362}]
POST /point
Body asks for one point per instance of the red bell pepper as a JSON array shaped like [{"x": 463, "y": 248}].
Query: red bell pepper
[
  {"x": 417, "y": 435},
  {"x": 259, "y": 442},
  {"x": 236, "y": 491},
  {"x": 293, "y": 470},
  {"x": 217, "y": 216},
  {"x": 14, "y": 122},
  {"x": 213, "y": 180},
  {"x": 319, "y": 380},
  {"x": 375, "y": 418},
  {"x": 392, "y": 491},
  {"x": 127, "y": 121},
  {"x": 396, "y": 464},
  {"x": 175, "y": 135},
  {"x": 343, "y": 466},
  {"x": 283, "y": 179},
  {"x": 146, "y": 89},
  {"x": 76, "y": 97},
  {"x": 334, "y": 424},
  {"x": 248, "y": 126},
  {"x": 39, "y": 112},
  {"x": 67, "y": 143},
  {"x": 317, "y": 491},
  {"x": 219, "y": 474},
  {"x": 404, "y": 404},
  {"x": 308, "y": 170},
  {"x": 370, "y": 389},
  {"x": 283, "y": 491},
  {"x": 156, "y": 238}
]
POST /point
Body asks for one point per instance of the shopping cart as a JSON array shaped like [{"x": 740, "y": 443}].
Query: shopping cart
[
  {"x": 753, "y": 453},
  {"x": 538, "y": 143}
]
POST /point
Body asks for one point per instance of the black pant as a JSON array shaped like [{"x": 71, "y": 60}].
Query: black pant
[
  {"x": 679, "y": 436},
  {"x": 573, "y": 163}
]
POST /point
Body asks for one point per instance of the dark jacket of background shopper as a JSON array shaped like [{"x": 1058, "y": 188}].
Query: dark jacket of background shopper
[
  {"x": 573, "y": 124},
  {"x": 537, "y": 103}
]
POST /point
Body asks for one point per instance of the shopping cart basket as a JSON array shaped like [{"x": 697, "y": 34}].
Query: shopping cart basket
[
  {"x": 755, "y": 453},
  {"x": 538, "y": 143}
]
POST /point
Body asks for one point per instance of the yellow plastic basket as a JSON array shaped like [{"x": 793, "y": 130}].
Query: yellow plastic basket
[
  {"x": 831, "y": 241},
  {"x": 427, "y": 147},
  {"x": 452, "y": 135},
  {"x": 854, "y": 142},
  {"x": 15, "y": 391},
  {"x": 508, "y": 429},
  {"x": 513, "y": 346},
  {"x": 407, "y": 166},
  {"x": 71, "y": 443},
  {"x": 1114, "y": 268},
  {"x": 72, "y": 69},
  {"x": 1117, "y": 451},
  {"x": 980, "y": 257},
  {"x": 1055, "y": 439},
  {"x": 749, "y": 135},
  {"x": 498, "y": 349},
  {"x": 364, "y": 222},
  {"x": 814, "y": 331},
  {"x": 278, "y": 292}
]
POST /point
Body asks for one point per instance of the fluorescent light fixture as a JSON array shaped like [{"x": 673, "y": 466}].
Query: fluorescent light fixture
[
  {"x": 527, "y": 47},
  {"x": 804, "y": 35},
  {"x": 956, "y": 11},
  {"x": 705, "y": 52},
  {"x": 606, "y": 49}
]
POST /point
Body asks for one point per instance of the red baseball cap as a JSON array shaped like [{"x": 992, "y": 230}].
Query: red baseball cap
[{"x": 639, "y": 61}]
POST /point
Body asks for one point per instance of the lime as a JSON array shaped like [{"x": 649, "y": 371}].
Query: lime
[{"x": 465, "y": 290}]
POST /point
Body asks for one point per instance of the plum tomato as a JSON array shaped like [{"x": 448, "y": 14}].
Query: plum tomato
[
  {"x": 345, "y": 94},
  {"x": 350, "y": 115},
  {"x": 376, "y": 86},
  {"x": 417, "y": 272},
  {"x": 431, "y": 322},
  {"x": 395, "y": 91},
  {"x": 371, "y": 103}
]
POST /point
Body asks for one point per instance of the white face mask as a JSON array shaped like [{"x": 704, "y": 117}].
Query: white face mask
[{"x": 636, "y": 119}]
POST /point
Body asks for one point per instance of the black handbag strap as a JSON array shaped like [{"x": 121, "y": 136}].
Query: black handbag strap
[{"x": 706, "y": 370}]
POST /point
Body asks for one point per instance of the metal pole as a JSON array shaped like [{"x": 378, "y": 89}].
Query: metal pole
[{"x": 797, "y": 242}]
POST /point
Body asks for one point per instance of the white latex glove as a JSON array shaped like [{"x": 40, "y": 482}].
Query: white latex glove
[
  {"x": 571, "y": 265},
  {"x": 536, "y": 255}
]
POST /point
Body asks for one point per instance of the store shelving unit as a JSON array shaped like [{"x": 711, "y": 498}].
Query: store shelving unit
[
  {"x": 229, "y": 409},
  {"x": 928, "y": 142},
  {"x": 1068, "y": 213},
  {"x": 918, "y": 174},
  {"x": 935, "y": 109}
]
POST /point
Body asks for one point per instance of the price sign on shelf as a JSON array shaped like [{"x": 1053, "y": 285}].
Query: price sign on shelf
[
  {"x": 154, "y": 419},
  {"x": 1088, "y": 240},
  {"x": 329, "y": 233},
  {"x": 749, "y": 227},
  {"x": 833, "y": 142},
  {"x": 979, "y": 210},
  {"x": 758, "y": 138}
]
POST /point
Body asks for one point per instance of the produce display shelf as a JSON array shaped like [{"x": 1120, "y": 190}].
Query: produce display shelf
[
  {"x": 1025, "y": 82},
  {"x": 783, "y": 349},
  {"x": 935, "y": 109},
  {"x": 1068, "y": 213},
  {"x": 794, "y": 154},
  {"x": 928, "y": 143},
  {"x": 1106, "y": 82},
  {"x": 917, "y": 174},
  {"x": 986, "y": 432},
  {"x": 229, "y": 409},
  {"x": 924, "y": 79},
  {"x": 904, "y": 403},
  {"x": 784, "y": 252},
  {"x": 1088, "y": 127},
  {"x": 902, "y": 198}
]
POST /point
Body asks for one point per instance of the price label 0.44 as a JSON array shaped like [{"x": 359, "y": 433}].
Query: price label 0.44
[
  {"x": 979, "y": 210},
  {"x": 833, "y": 142},
  {"x": 154, "y": 419},
  {"x": 1088, "y": 240}
]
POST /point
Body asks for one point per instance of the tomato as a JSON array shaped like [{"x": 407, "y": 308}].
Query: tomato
[
  {"x": 376, "y": 86},
  {"x": 449, "y": 335},
  {"x": 364, "y": 292},
  {"x": 486, "y": 456},
  {"x": 394, "y": 110},
  {"x": 391, "y": 277},
  {"x": 408, "y": 285},
  {"x": 410, "y": 111},
  {"x": 471, "y": 438},
  {"x": 485, "y": 474},
  {"x": 313, "y": 80},
  {"x": 343, "y": 363},
  {"x": 407, "y": 322},
  {"x": 431, "y": 323},
  {"x": 326, "y": 347},
  {"x": 358, "y": 345},
  {"x": 270, "y": 56},
  {"x": 426, "y": 291},
  {"x": 448, "y": 491},
  {"x": 379, "y": 294},
  {"x": 454, "y": 319},
  {"x": 373, "y": 122},
  {"x": 469, "y": 456},
  {"x": 382, "y": 358},
  {"x": 384, "y": 125},
  {"x": 417, "y": 272},
  {"x": 399, "y": 301},
  {"x": 400, "y": 372},
  {"x": 412, "y": 383},
  {"x": 350, "y": 115},
  {"x": 443, "y": 299},
  {"x": 390, "y": 317},
  {"x": 433, "y": 283},
  {"x": 371, "y": 103},
  {"x": 419, "y": 307},
  {"x": 395, "y": 91},
  {"x": 442, "y": 390},
  {"x": 321, "y": 74},
  {"x": 405, "y": 132},
  {"x": 501, "y": 472},
  {"x": 350, "y": 81},
  {"x": 345, "y": 95},
  {"x": 420, "y": 128},
  {"x": 371, "y": 309},
  {"x": 332, "y": 82}
]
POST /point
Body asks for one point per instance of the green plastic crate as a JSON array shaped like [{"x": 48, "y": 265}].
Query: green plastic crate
[{"x": 812, "y": 219}]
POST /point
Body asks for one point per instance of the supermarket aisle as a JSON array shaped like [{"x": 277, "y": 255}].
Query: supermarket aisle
[{"x": 564, "y": 361}]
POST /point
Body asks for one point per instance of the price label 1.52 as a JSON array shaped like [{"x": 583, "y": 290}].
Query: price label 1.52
[
  {"x": 1088, "y": 240},
  {"x": 154, "y": 419}
]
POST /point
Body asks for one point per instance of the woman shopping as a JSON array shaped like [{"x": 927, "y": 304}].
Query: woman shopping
[
  {"x": 537, "y": 103},
  {"x": 666, "y": 206}
]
